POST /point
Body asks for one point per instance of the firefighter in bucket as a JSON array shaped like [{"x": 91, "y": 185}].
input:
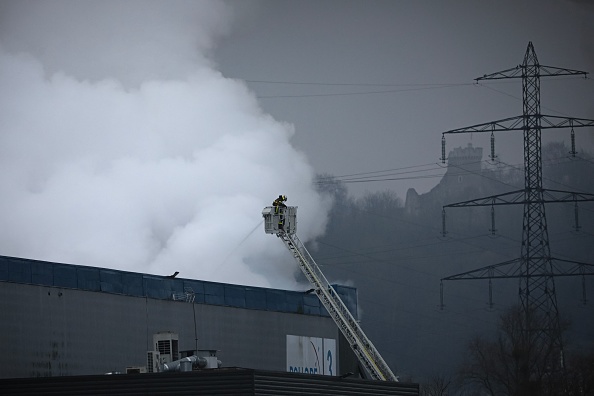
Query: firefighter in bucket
[{"x": 279, "y": 208}]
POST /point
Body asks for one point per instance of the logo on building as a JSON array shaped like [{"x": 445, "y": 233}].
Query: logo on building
[{"x": 311, "y": 355}]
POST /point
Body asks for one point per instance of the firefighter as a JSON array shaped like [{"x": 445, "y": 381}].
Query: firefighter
[
  {"x": 279, "y": 206},
  {"x": 280, "y": 202}
]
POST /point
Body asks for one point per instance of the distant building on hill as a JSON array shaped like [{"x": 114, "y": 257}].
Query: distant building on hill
[{"x": 464, "y": 173}]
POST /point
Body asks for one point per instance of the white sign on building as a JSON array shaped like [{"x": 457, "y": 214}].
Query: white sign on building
[{"x": 311, "y": 355}]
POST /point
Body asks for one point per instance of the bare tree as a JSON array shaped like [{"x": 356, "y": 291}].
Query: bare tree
[
  {"x": 436, "y": 386},
  {"x": 581, "y": 374},
  {"x": 518, "y": 362}
]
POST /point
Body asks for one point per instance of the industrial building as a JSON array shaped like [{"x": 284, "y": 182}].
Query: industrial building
[{"x": 61, "y": 320}]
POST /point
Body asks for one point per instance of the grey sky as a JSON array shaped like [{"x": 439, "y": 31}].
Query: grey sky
[
  {"x": 406, "y": 46},
  {"x": 203, "y": 104}
]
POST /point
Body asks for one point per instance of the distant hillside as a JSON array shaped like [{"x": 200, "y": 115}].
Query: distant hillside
[{"x": 395, "y": 254}]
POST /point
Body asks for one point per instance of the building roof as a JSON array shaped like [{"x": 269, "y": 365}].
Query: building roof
[
  {"x": 228, "y": 381},
  {"x": 35, "y": 272}
]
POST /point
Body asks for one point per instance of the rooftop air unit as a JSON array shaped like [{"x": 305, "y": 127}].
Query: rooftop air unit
[
  {"x": 166, "y": 343},
  {"x": 152, "y": 362},
  {"x": 135, "y": 370}
]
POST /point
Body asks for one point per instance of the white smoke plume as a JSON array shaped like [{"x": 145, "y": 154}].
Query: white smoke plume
[{"x": 122, "y": 146}]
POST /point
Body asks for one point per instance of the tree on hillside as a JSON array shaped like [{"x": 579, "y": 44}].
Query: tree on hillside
[
  {"x": 516, "y": 362},
  {"x": 330, "y": 186}
]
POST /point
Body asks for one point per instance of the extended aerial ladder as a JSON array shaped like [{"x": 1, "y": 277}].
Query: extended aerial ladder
[{"x": 282, "y": 221}]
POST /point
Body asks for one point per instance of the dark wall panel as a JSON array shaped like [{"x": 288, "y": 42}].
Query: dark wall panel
[{"x": 51, "y": 331}]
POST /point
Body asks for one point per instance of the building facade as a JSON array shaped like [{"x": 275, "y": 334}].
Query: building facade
[{"x": 70, "y": 320}]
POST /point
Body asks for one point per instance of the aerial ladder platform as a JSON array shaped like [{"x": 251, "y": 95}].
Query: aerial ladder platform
[{"x": 282, "y": 221}]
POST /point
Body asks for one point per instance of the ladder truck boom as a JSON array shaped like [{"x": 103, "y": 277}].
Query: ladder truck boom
[{"x": 282, "y": 221}]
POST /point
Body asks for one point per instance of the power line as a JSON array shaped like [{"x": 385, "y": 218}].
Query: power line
[
  {"x": 419, "y": 88},
  {"x": 404, "y": 87},
  {"x": 380, "y": 171},
  {"x": 381, "y": 175},
  {"x": 362, "y": 84}
]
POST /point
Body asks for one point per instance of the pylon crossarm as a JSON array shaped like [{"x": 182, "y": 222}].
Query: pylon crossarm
[
  {"x": 517, "y": 124},
  {"x": 554, "y": 196},
  {"x": 552, "y": 71},
  {"x": 514, "y": 268},
  {"x": 551, "y": 122},
  {"x": 575, "y": 268},
  {"x": 543, "y": 71},
  {"x": 506, "y": 124},
  {"x": 514, "y": 72},
  {"x": 517, "y": 197},
  {"x": 509, "y": 198}
]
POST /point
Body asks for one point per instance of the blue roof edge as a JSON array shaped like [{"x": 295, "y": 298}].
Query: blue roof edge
[{"x": 106, "y": 280}]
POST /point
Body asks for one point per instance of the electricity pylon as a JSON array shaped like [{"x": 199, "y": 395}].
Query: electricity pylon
[{"x": 535, "y": 267}]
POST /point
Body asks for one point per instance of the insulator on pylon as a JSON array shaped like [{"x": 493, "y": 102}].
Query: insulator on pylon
[
  {"x": 576, "y": 226},
  {"x": 572, "y": 152},
  {"x": 443, "y": 223},
  {"x": 441, "y": 295},
  {"x": 492, "y": 156},
  {"x": 584, "y": 300},
  {"x": 493, "y": 229},
  {"x": 443, "y": 157},
  {"x": 490, "y": 293}
]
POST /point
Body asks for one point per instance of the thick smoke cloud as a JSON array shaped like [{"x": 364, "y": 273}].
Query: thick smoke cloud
[{"x": 122, "y": 146}]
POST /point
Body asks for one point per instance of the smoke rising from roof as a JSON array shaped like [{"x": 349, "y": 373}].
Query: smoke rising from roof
[{"x": 122, "y": 146}]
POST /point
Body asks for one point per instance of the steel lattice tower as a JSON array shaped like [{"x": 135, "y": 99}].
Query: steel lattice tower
[
  {"x": 535, "y": 267},
  {"x": 536, "y": 290}
]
